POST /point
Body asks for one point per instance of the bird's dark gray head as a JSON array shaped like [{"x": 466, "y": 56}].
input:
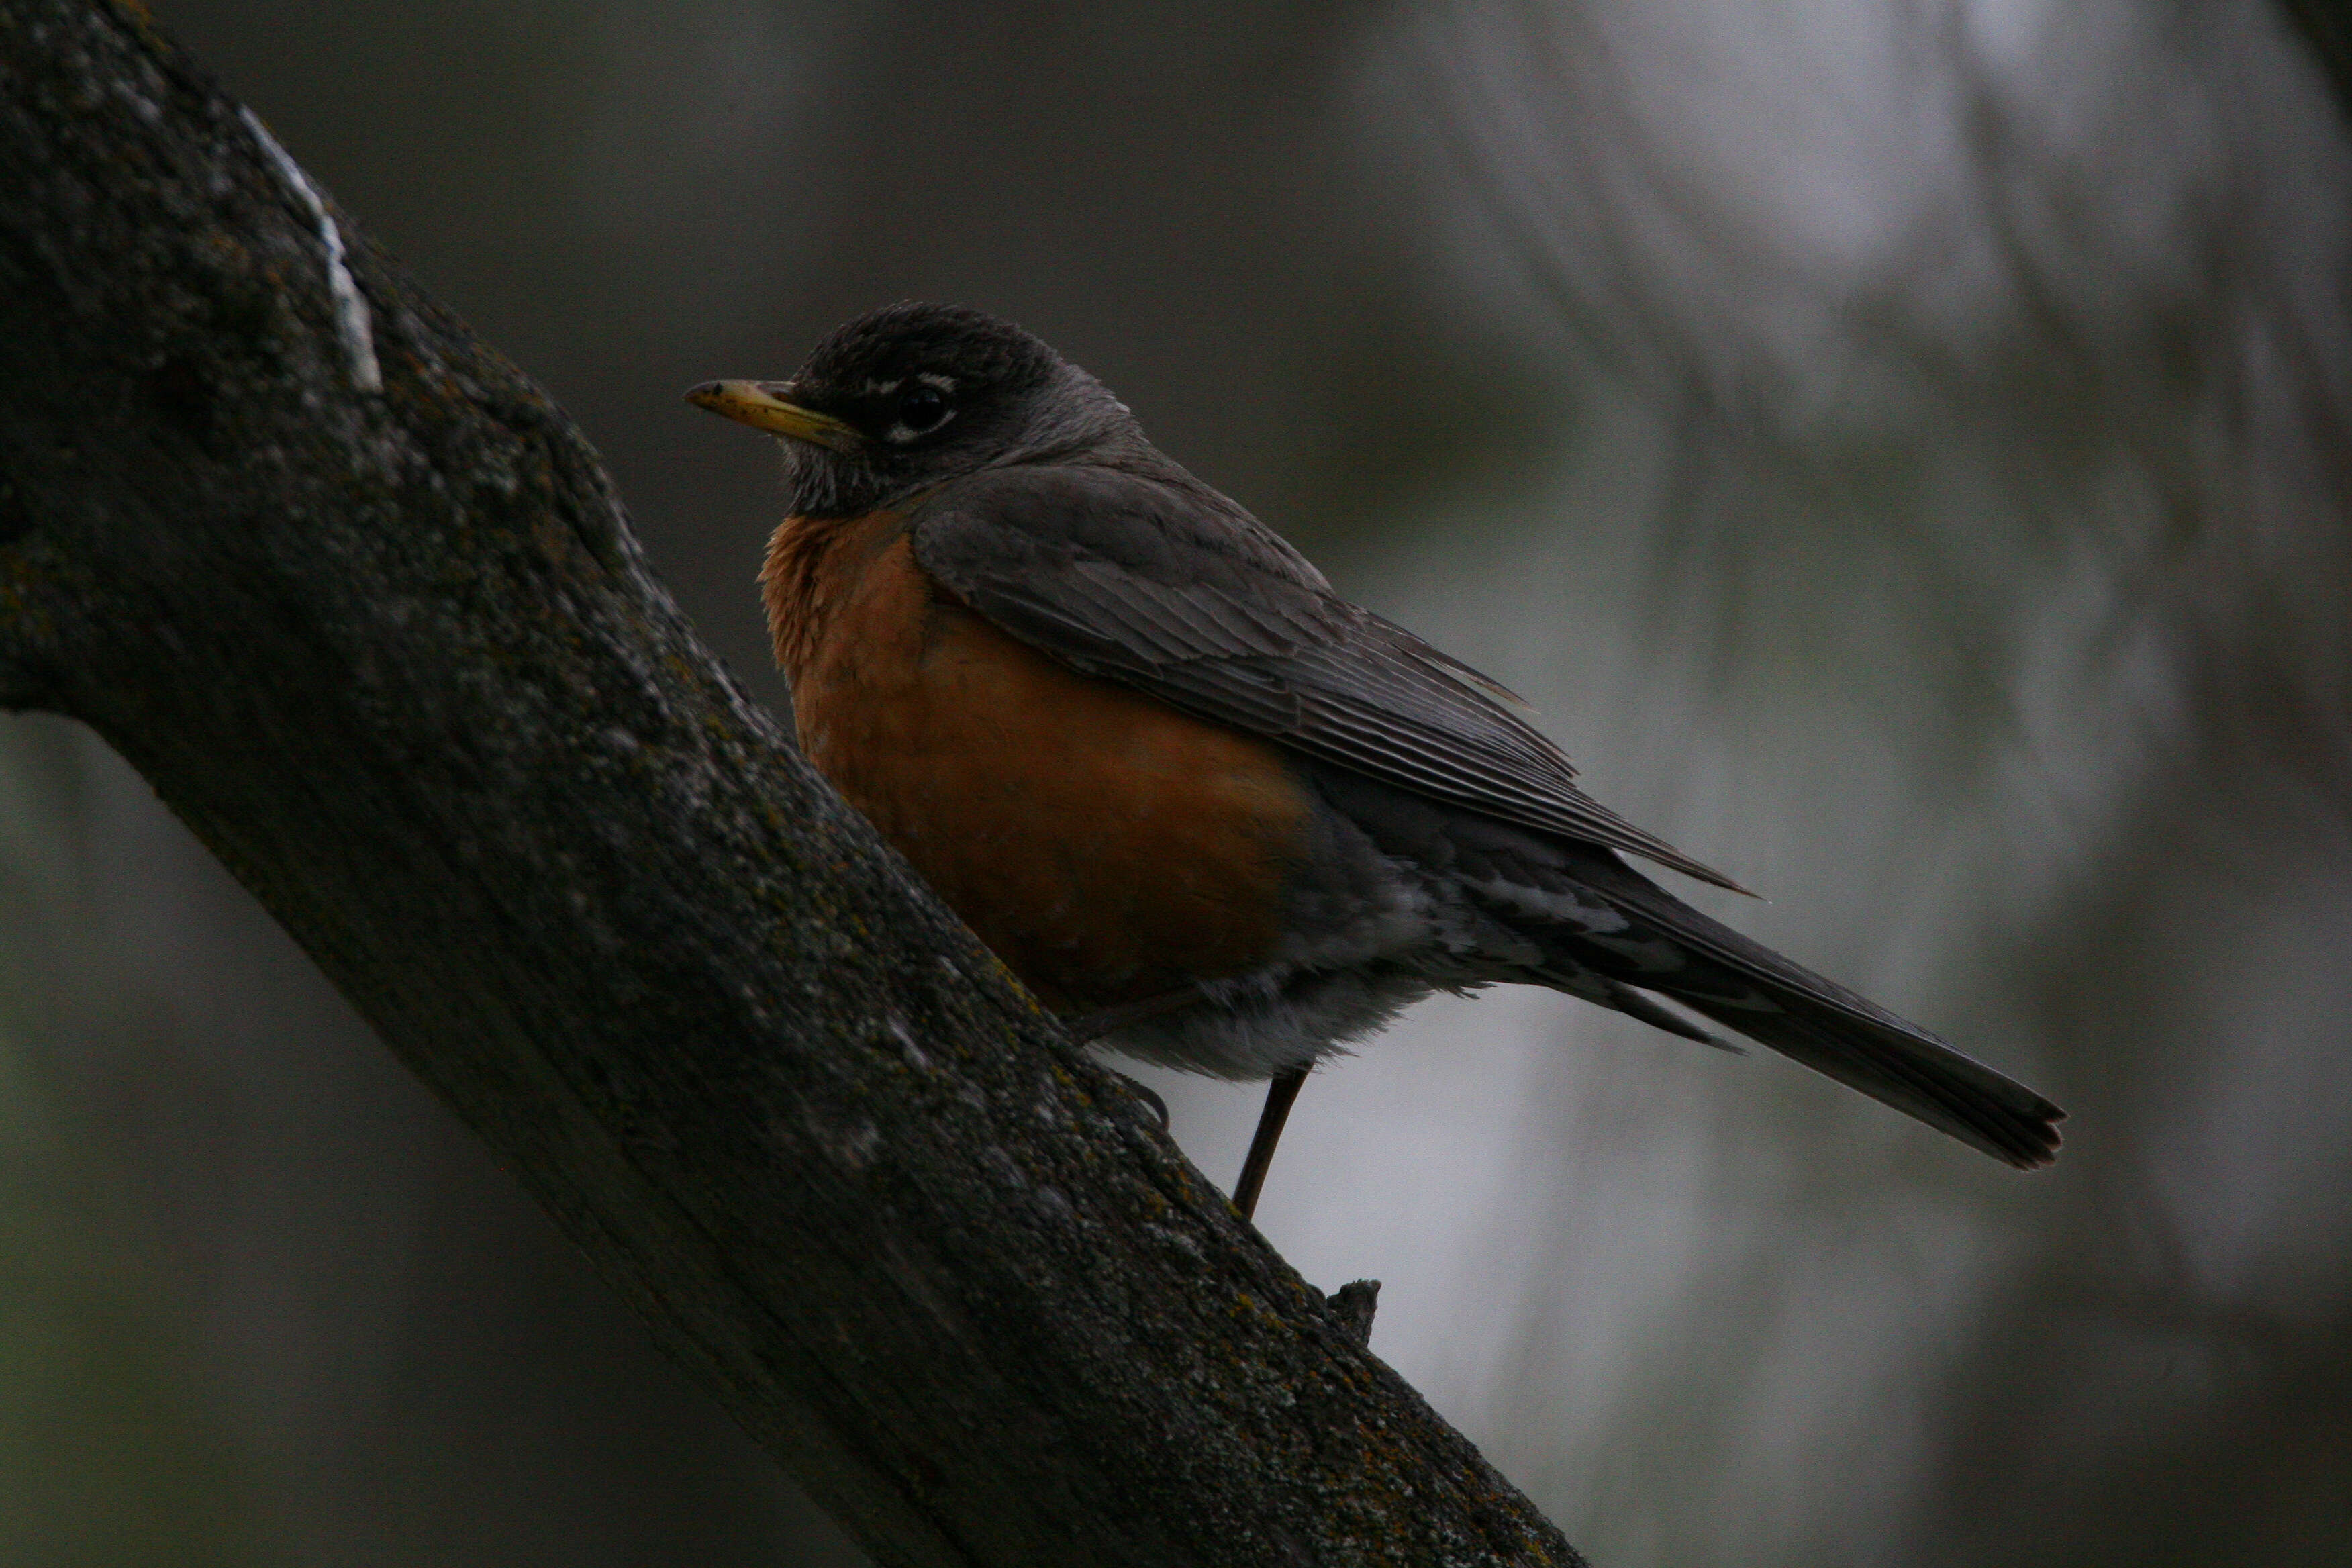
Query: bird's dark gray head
[{"x": 910, "y": 396}]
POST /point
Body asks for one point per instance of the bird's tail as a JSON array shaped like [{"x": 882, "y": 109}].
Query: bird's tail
[
  {"x": 1899, "y": 1063},
  {"x": 1748, "y": 988}
]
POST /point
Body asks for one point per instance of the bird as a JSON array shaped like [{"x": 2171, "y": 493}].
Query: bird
[{"x": 1209, "y": 812}]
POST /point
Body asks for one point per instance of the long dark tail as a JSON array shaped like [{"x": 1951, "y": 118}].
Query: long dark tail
[{"x": 1748, "y": 988}]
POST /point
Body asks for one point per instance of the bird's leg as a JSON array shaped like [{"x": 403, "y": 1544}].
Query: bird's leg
[
  {"x": 1278, "y": 1097},
  {"x": 1093, "y": 1026}
]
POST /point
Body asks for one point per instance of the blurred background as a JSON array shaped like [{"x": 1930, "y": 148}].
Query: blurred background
[{"x": 1898, "y": 444}]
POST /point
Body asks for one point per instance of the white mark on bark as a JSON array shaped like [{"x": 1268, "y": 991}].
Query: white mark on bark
[
  {"x": 915, "y": 1055},
  {"x": 351, "y": 308}
]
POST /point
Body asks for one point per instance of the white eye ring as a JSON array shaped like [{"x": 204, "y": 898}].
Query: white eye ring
[{"x": 902, "y": 432}]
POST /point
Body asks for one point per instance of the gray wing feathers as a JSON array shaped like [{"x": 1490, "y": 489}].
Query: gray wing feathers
[{"x": 1165, "y": 586}]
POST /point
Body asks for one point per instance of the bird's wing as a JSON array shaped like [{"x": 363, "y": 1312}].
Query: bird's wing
[{"x": 1173, "y": 591}]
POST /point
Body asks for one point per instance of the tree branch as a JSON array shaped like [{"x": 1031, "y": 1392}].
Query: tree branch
[
  {"x": 2327, "y": 26},
  {"x": 360, "y": 604}
]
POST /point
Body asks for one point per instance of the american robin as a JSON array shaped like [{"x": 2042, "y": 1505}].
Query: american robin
[{"x": 1199, "y": 802}]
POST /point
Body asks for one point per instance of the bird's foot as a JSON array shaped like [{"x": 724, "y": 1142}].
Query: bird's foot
[{"x": 1146, "y": 1093}]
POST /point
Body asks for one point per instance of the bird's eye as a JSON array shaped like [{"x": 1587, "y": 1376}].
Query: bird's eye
[{"x": 922, "y": 409}]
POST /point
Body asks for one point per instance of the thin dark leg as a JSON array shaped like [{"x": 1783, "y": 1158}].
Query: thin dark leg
[{"x": 1278, "y": 1097}]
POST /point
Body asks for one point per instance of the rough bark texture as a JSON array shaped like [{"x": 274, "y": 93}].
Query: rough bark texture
[{"x": 390, "y": 652}]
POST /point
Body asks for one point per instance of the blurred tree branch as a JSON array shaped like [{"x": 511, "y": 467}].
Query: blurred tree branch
[
  {"x": 360, "y": 604},
  {"x": 2326, "y": 25}
]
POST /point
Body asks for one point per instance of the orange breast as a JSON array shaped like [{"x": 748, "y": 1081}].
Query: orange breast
[{"x": 1107, "y": 847}]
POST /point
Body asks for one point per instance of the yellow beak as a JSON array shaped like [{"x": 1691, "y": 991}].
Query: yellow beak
[{"x": 755, "y": 403}]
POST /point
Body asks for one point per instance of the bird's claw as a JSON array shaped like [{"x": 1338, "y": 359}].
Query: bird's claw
[{"x": 1150, "y": 1095}]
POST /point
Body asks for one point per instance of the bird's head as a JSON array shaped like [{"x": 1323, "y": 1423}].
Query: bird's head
[{"x": 911, "y": 395}]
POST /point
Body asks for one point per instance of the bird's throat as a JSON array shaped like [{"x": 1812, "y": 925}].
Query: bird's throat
[{"x": 812, "y": 567}]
